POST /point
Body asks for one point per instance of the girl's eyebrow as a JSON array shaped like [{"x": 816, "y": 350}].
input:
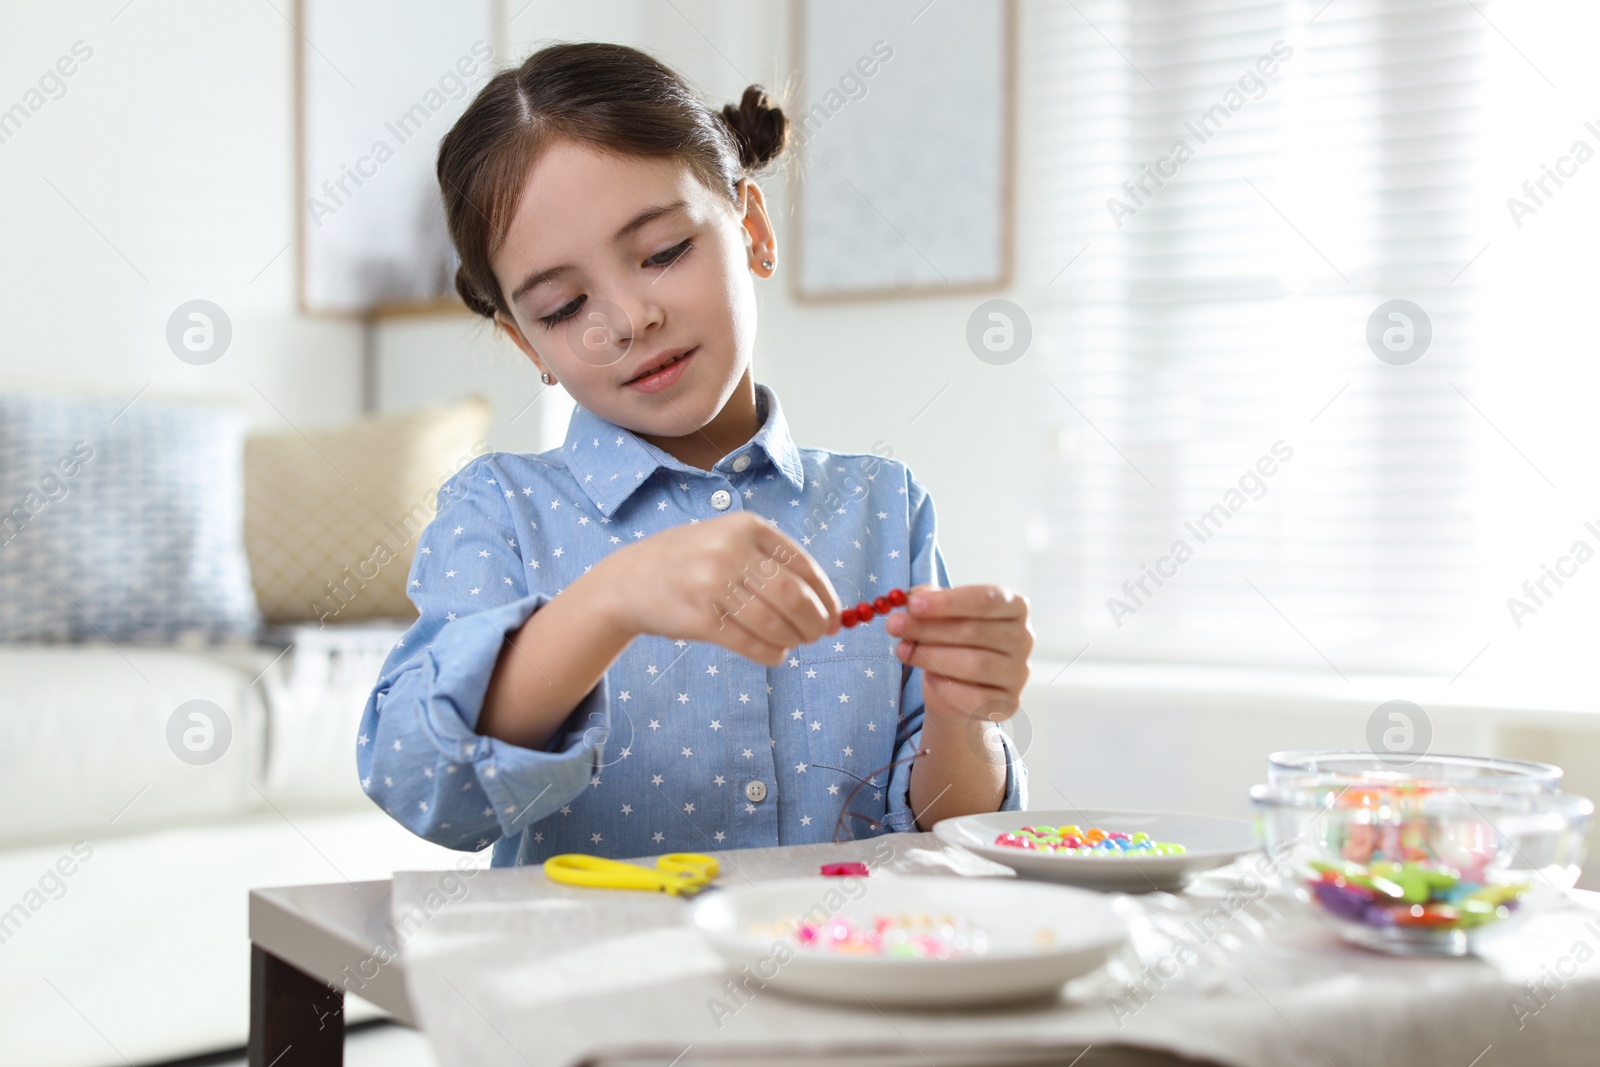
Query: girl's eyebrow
[{"x": 644, "y": 218}]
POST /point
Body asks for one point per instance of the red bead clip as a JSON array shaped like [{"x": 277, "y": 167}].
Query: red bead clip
[{"x": 863, "y": 612}]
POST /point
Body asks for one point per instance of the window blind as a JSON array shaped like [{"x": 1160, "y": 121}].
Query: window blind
[{"x": 1215, "y": 199}]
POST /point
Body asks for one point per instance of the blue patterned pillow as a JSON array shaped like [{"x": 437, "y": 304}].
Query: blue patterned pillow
[{"x": 122, "y": 524}]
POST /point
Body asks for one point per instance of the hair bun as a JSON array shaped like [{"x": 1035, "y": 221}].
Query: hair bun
[
  {"x": 760, "y": 131},
  {"x": 470, "y": 296}
]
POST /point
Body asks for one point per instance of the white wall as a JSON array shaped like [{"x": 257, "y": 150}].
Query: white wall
[
  {"x": 848, "y": 375},
  {"x": 163, "y": 173}
]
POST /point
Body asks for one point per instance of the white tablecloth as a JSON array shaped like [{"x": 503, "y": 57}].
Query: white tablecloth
[{"x": 505, "y": 967}]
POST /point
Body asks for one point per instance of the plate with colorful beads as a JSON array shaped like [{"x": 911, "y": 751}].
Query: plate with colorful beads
[
  {"x": 910, "y": 942},
  {"x": 1128, "y": 851}
]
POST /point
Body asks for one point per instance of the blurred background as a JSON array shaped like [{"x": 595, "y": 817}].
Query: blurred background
[{"x": 1253, "y": 341}]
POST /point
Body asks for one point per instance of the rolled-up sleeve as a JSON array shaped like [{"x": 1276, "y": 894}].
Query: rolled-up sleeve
[
  {"x": 418, "y": 752},
  {"x": 928, "y": 567}
]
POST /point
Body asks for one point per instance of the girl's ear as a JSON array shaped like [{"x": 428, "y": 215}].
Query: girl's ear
[{"x": 760, "y": 238}]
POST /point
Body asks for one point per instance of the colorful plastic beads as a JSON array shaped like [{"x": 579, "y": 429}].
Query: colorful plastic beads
[
  {"x": 1091, "y": 842},
  {"x": 914, "y": 936},
  {"x": 1428, "y": 895},
  {"x": 863, "y": 612}
]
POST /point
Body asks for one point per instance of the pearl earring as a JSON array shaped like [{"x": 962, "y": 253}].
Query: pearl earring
[
  {"x": 766, "y": 264},
  {"x": 544, "y": 376}
]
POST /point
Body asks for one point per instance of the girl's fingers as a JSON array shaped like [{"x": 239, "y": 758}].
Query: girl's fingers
[
  {"x": 783, "y": 613},
  {"x": 976, "y": 702},
  {"x": 793, "y": 598},
  {"x": 967, "y": 601},
  {"x": 797, "y": 561},
  {"x": 740, "y": 638},
  {"x": 974, "y": 666},
  {"x": 997, "y": 635}
]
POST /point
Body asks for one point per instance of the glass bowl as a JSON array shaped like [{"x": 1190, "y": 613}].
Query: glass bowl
[
  {"x": 1466, "y": 771},
  {"x": 1420, "y": 866}
]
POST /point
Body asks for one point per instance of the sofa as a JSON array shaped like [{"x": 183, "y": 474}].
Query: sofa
[{"x": 164, "y": 750}]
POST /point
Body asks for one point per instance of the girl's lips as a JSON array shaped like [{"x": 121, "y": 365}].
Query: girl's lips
[{"x": 666, "y": 377}]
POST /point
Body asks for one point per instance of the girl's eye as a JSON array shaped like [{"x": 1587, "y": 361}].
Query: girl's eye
[
  {"x": 671, "y": 255},
  {"x": 562, "y": 314}
]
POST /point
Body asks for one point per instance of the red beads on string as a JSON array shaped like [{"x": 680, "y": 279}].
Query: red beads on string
[{"x": 864, "y": 611}]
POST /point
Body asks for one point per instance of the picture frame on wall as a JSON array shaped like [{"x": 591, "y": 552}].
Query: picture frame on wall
[
  {"x": 377, "y": 85},
  {"x": 906, "y": 128}
]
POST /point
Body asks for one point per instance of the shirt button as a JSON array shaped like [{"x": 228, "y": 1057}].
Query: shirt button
[
  {"x": 721, "y": 499},
  {"x": 741, "y": 463},
  {"x": 755, "y": 792}
]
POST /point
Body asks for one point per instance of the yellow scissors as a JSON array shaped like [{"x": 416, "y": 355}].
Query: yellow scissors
[{"x": 677, "y": 873}]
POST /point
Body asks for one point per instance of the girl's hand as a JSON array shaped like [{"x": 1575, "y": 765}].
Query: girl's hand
[
  {"x": 735, "y": 580},
  {"x": 972, "y": 643}
]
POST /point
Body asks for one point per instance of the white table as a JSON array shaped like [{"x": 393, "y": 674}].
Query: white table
[
  {"x": 312, "y": 943},
  {"x": 309, "y": 943}
]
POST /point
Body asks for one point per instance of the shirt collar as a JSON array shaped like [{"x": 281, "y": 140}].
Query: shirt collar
[{"x": 610, "y": 462}]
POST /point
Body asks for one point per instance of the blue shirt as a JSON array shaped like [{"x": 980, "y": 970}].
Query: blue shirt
[{"x": 682, "y": 746}]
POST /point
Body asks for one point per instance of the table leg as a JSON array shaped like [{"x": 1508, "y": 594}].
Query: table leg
[{"x": 295, "y": 1020}]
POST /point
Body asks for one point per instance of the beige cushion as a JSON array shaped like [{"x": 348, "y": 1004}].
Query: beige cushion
[{"x": 332, "y": 516}]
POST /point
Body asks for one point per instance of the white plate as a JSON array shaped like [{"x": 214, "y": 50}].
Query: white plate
[
  {"x": 1081, "y": 931},
  {"x": 1210, "y": 841}
]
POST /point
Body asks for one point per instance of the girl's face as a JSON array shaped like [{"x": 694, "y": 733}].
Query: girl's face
[{"x": 612, "y": 264}]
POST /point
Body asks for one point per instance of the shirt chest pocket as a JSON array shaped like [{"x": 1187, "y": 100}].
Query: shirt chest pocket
[{"x": 850, "y": 702}]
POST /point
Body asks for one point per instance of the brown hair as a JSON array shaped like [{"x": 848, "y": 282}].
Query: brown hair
[{"x": 607, "y": 96}]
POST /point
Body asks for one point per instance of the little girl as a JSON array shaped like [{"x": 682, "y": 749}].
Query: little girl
[{"x": 633, "y": 644}]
